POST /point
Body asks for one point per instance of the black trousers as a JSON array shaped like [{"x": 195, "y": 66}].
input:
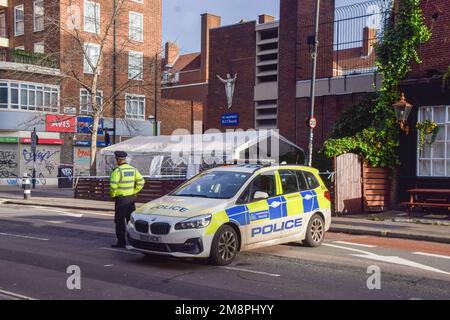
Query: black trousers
[{"x": 124, "y": 206}]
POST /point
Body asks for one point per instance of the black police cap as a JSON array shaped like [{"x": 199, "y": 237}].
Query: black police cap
[{"x": 120, "y": 154}]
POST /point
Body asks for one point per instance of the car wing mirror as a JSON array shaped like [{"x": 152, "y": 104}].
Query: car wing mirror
[{"x": 260, "y": 195}]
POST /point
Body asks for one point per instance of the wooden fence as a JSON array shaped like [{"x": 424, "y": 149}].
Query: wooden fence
[
  {"x": 98, "y": 188},
  {"x": 376, "y": 188},
  {"x": 360, "y": 188}
]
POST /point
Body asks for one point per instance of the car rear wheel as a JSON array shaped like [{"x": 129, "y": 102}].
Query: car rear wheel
[
  {"x": 315, "y": 232},
  {"x": 224, "y": 246}
]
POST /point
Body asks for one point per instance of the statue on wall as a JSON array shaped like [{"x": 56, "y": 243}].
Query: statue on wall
[{"x": 229, "y": 87}]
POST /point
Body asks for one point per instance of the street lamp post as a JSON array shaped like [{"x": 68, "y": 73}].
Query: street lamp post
[{"x": 313, "y": 82}]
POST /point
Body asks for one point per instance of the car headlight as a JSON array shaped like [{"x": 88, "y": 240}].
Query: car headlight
[
  {"x": 132, "y": 220},
  {"x": 194, "y": 223}
]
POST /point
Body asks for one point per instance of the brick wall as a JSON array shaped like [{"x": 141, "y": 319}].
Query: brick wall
[
  {"x": 435, "y": 53},
  {"x": 179, "y": 114},
  {"x": 296, "y": 24},
  {"x": 151, "y": 47},
  {"x": 232, "y": 50},
  {"x": 196, "y": 93}
]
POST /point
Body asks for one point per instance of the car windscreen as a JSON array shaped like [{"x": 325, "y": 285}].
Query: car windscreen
[{"x": 214, "y": 184}]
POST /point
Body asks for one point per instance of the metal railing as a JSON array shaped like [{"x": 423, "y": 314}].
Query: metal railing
[
  {"x": 38, "y": 59},
  {"x": 347, "y": 38}
]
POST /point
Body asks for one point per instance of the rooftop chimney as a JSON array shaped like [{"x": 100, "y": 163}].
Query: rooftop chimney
[
  {"x": 172, "y": 52},
  {"x": 369, "y": 39},
  {"x": 209, "y": 21},
  {"x": 264, "y": 18}
]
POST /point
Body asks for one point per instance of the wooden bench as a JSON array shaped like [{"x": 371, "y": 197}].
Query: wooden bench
[{"x": 428, "y": 198}]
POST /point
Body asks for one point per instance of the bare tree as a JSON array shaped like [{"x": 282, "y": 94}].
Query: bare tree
[{"x": 93, "y": 49}]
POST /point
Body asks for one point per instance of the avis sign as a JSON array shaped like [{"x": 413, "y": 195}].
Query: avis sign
[{"x": 60, "y": 123}]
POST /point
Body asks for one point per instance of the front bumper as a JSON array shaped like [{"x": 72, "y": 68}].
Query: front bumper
[
  {"x": 191, "y": 246},
  {"x": 192, "y": 243}
]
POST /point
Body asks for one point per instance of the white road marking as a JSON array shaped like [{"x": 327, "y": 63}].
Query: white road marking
[
  {"x": 56, "y": 222},
  {"x": 432, "y": 255},
  {"x": 355, "y": 244},
  {"x": 20, "y": 236},
  {"x": 252, "y": 271},
  {"x": 122, "y": 251},
  {"x": 108, "y": 265},
  {"x": 60, "y": 212},
  {"x": 390, "y": 259},
  {"x": 78, "y": 215},
  {"x": 15, "y": 295}
]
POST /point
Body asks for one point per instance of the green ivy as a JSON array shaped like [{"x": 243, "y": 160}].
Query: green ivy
[{"x": 377, "y": 135}]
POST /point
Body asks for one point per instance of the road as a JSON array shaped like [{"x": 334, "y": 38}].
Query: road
[{"x": 38, "y": 244}]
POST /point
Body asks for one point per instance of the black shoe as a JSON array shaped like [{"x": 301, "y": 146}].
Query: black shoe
[{"x": 118, "y": 245}]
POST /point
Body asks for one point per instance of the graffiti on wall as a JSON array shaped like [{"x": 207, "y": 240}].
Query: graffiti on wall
[
  {"x": 47, "y": 162},
  {"x": 9, "y": 163}
]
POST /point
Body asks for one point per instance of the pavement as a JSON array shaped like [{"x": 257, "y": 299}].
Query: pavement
[
  {"x": 434, "y": 227},
  {"x": 43, "y": 251}
]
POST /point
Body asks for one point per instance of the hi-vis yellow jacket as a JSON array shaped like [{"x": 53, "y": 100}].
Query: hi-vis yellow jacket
[{"x": 125, "y": 181}]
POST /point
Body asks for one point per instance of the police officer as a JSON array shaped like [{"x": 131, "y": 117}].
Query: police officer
[{"x": 126, "y": 182}]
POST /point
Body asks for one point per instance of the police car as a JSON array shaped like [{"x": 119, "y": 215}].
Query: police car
[{"x": 229, "y": 209}]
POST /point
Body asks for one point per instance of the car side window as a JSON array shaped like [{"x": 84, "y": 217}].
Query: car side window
[
  {"x": 289, "y": 181},
  {"x": 264, "y": 183},
  {"x": 302, "y": 185},
  {"x": 311, "y": 180}
]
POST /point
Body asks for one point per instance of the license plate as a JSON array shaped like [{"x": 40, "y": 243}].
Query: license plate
[{"x": 148, "y": 238}]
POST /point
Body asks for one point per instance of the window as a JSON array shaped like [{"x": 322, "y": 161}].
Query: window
[
  {"x": 86, "y": 102},
  {"x": 215, "y": 184},
  {"x": 39, "y": 47},
  {"x": 2, "y": 24},
  {"x": 29, "y": 96},
  {"x": 91, "y": 16},
  {"x": 265, "y": 182},
  {"x": 301, "y": 181},
  {"x": 311, "y": 180},
  {"x": 19, "y": 26},
  {"x": 434, "y": 160},
  {"x": 289, "y": 181},
  {"x": 38, "y": 15},
  {"x": 136, "y": 26},
  {"x": 3, "y": 95},
  {"x": 135, "y": 65},
  {"x": 135, "y": 107},
  {"x": 91, "y": 57}
]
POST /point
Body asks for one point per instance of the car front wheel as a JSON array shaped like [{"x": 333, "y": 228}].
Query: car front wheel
[
  {"x": 224, "y": 246},
  {"x": 315, "y": 232}
]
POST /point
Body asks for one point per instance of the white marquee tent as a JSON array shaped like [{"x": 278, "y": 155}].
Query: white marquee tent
[{"x": 185, "y": 155}]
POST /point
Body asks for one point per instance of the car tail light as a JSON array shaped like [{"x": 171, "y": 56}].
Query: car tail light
[{"x": 327, "y": 195}]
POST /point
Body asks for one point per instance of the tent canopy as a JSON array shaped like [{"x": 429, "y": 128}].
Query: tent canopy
[{"x": 150, "y": 152}]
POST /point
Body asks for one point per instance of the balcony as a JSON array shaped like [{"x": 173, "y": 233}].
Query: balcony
[
  {"x": 3, "y": 3},
  {"x": 22, "y": 61}
]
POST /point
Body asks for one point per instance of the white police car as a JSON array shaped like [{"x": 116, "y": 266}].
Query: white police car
[{"x": 234, "y": 208}]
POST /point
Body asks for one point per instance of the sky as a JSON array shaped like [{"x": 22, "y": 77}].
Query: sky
[{"x": 181, "y": 18}]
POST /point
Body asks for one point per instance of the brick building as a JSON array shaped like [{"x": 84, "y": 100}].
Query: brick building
[
  {"x": 43, "y": 68},
  {"x": 186, "y": 77},
  {"x": 424, "y": 89},
  {"x": 272, "y": 60}
]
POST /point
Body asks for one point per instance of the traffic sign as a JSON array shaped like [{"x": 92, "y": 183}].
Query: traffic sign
[{"x": 312, "y": 123}]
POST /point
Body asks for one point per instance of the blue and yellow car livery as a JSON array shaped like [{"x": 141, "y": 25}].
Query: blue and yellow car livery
[{"x": 248, "y": 205}]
